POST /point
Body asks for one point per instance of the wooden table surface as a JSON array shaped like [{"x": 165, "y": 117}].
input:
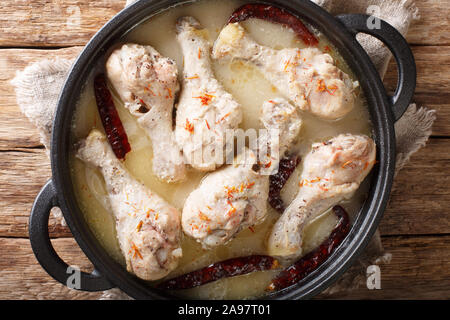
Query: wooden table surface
[{"x": 415, "y": 228}]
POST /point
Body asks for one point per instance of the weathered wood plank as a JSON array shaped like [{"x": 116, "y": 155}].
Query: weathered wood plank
[
  {"x": 419, "y": 202},
  {"x": 23, "y": 278},
  {"x": 433, "y": 70},
  {"x": 420, "y": 269},
  {"x": 22, "y": 175},
  {"x": 433, "y": 23},
  {"x": 433, "y": 85},
  {"x": 441, "y": 103},
  {"x": 27, "y": 23},
  {"x": 432, "y": 91},
  {"x": 420, "y": 197}
]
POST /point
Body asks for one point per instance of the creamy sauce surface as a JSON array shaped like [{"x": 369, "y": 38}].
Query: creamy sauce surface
[{"x": 250, "y": 89}]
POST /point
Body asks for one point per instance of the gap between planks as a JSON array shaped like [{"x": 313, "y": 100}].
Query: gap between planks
[
  {"x": 420, "y": 268},
  {"x": 433, "y": 89},
  {"x": 423, "y": 209},
  {"x": 59, "y": 23}
]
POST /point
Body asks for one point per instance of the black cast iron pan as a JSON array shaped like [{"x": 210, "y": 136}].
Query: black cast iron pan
[{"x": 384, "y": 111}]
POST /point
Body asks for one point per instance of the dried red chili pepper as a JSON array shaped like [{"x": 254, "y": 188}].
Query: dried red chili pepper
[
  {"x": 312, "y": 260},
  {"x": 114, "y": 129},
  {"x": 277, "y": 181},
  {"x": 223, "y": 269},
  {"x": 243, "y": 265},
  {"x": 277, "y": 15}
]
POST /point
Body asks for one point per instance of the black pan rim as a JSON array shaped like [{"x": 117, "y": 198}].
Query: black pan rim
[{"x": 363, "y": 227}]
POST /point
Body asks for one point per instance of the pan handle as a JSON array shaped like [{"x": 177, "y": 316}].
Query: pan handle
[
  {"x": 406, "y": 82},
  {"x": 46, "y": 254}
]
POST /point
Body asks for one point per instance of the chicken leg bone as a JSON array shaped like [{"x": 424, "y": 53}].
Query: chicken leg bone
[
  {"x": 205, "y": 110},
  {"x": 147, "y": 84},
  {"x": 308, "y": 77},
  {"x": 148, "y": 228},
  {"x": 332, "y": 171},
  {"x": 235, "y": 197}
]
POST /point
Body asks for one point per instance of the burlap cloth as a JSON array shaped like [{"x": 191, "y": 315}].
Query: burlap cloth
[{"x": 38, "y": 87}]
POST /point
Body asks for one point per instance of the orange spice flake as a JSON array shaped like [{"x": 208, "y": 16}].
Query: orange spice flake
[
  {"x": 231, "y": 211},
  {"x": 366, "y": 165},
  {"x": 169, "y": 91},
  {"x": 287, "y": 65},
  {"x": 193, "y": 77},
  {"x": 205, "y": 98},
  {"x": 189, "y": 126},
  {"x": 349, "y": 163},
  {"x": 199, "y": 53},
  {"x": 203, "y": 216},
  {"x": 321, "y": 87},
  {"x": 148, "y": 212},
  {"x": 207, "y": 124},
  {"x": 156, "y": 216},
  {"x": 223, "y": 118},
  {"x": 230, "y": 191},
  {"x": 148, "y": 88},
  {"x": 136, "y": 251},
  {"x": 251, "y": 229},
  {"x": 139, "y": 226},
  {"x": 306, "y": 182},
  {"x": 332, "y": 89},
  {"x": 327, "y": 49}
]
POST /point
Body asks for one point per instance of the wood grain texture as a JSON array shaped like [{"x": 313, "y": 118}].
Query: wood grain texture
[
  {"x": 433, "y": 85},
  {"x": 50, "y": 23},
  {"x": 432, "y": 91},
  {"x": 420, "y": 268},
  {"x": 434, "y": 20},
  {"x": 420, "y": 196},
  {"x": 23, "y": 278},
  {"x": 419, "y": 203},
  {"x": 433, "y": 64},
  {"x": 53, "y": 23},
  {"x": 415, "y": 227},
  {"x": 22, "y": 175}
]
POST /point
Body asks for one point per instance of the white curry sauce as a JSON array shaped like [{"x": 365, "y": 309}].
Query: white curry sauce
[{"x": 250, "y": 89}]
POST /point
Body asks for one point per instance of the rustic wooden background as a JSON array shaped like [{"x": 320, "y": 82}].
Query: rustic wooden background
[{"x": 415, "y": 228}]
